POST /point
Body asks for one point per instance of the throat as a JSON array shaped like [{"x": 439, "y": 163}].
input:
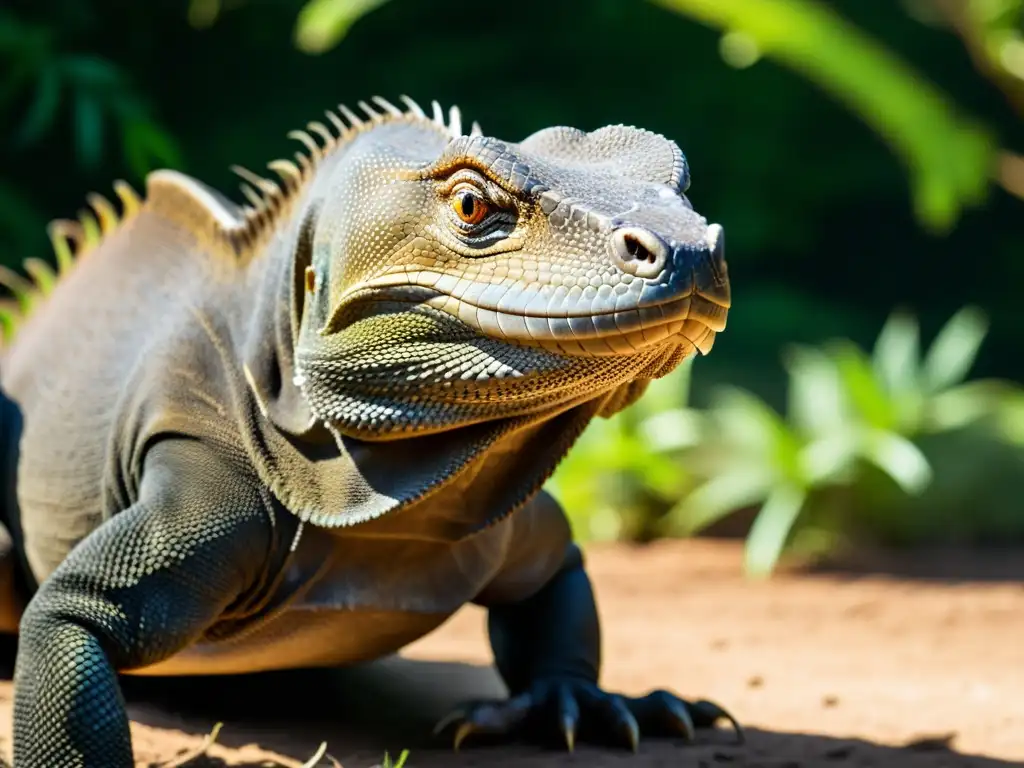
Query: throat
[{"x": 442, "y": 486}]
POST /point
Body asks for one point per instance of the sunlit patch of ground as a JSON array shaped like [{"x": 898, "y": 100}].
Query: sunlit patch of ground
[{"x": 840, "y": 669}]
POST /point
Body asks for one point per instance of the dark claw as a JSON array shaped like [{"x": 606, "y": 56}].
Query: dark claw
[
  {"x": 452, "y": 717},
  {"x": 664, "y": 713},
  {"x": 707, "y": 713},
  {"x": 569, "y": 732},
  {"x": 464, "y": 729},
  {"x": 497, "y": 718},
  {"x": 569, "y": 714},
  {"x": 624, "y": 721},
  {"x": 566, "y": 705},
  {"x": 681, "y": 718}
]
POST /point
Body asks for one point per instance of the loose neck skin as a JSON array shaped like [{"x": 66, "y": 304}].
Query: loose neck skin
[
  {"x": 449, "y": 485},
  {"x": 268, "y": 349}
]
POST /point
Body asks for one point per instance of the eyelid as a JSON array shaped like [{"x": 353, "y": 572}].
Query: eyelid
[
  {"x": 463, "y": 175},
  {"x": 466, "y": 177}
]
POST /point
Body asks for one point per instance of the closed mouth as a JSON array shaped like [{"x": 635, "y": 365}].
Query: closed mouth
[{"x": 694, "y": 318}]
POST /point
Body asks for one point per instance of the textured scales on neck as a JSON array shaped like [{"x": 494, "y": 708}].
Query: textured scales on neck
[
  {"x": 459, "y": 306},
  {"x": 470, "y": 279}
]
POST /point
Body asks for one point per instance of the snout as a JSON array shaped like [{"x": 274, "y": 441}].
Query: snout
[
  {"x": 643, "y": 253},
  {"x": 711, "y": 273},
  {"x": 687, "y": 279},
  {"x": 672, "y": 285}
]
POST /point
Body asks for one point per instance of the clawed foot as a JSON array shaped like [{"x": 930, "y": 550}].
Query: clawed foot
[{"x": 567, "y": 706}]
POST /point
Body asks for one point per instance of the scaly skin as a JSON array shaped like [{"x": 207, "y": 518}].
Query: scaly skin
[{"x": 307, "y": 430}]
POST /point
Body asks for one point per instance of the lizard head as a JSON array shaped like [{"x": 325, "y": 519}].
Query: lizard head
[{"x": 452, "y": 279}]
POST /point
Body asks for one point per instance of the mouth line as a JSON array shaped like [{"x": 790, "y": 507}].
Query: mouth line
[
  {"x": 694, "y": 319},
  {"x": 446, "y": 285}
]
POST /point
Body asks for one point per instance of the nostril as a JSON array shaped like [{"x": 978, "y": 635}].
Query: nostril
[{"x": 639, "y": 252}]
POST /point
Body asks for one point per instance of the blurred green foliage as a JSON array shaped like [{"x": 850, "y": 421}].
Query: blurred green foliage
[
  {"x": 860, "y": 155},
  {"x": 664, "y": 467}
]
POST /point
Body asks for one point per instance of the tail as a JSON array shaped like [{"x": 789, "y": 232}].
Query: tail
[{"x": 71, "y": 241}]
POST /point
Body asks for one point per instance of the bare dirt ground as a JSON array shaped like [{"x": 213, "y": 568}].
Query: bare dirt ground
[{"x": 840, "y": 669}]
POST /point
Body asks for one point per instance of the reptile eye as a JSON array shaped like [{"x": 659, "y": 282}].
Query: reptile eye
[{"x": 470, "y": 206}]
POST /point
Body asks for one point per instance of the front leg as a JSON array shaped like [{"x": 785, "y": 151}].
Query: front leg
[
  {"x": 548, "y": 651},
  {"x": 142, "y": 586}
]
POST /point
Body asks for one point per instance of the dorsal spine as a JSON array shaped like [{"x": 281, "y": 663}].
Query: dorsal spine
[{"x": 240, "y": 231}]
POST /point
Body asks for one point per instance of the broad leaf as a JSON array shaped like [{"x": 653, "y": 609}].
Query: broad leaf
[
  {"x": 863, "y": 390},
  {"x": 771, "y": 528},
  {"x": 717, "y": 497},
  {"x": 897, "y": 353},
  {"x": 672, "y": 430},
  {"x": 830, "y": 458},
  {"x": 323, "y": 23},
  {"x": 949, "y": 157},
  {"x": 751, "y": 427},
  {"x": 815, "y": 402},
  {"x": 957, "y": 407},
  {"x": 88, "y": 129},
  {"x": 955, "y": 349},
  {"x": 899, "y": 458}
]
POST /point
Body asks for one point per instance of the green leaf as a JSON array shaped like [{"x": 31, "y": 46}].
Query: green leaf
[
  {"x": 862, "y": 388},
  {"x": 955, "y": 349},
  {"x": 671, "y": 430},
  {"x": 948, "y": 157},
  {"x": 830, "y": 458},
  {"x": 897, "y": 353},
  {"x": 816, "y": 405},
  {"x": 749, "y": 424},
  {"x": 899, "y": 458},
  {"x": 771, "y": 528},
  {"x": 92, "y": 72},
  {"x": 960, "y": 406},
  {"x": 717, "y": 497},
  {"x": 323, "y": 23},
  {"x": 88, "y": 123},
  {"x": 1011, "y": 421},
  {"x": 39, "y": 117},
  {"x": 202, "y": 14}
]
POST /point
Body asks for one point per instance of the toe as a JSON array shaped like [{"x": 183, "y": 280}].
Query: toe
[
  {"x": 663, "y": 713},
  {"x": 614, "y": 714},
  {"x": 497, "y": 718},
  {"x": 707, "y": 713},
  {"x": 568, "y": 715},
  {"x": 625, "y": 723}
]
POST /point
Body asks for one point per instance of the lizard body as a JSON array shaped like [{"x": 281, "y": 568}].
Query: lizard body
[{"x": 306, "y": 430}]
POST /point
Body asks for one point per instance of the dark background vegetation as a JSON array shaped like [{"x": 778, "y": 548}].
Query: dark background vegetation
[{"x": 826, "y": 235}]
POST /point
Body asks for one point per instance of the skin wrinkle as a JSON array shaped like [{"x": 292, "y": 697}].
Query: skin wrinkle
[{"x": 437, "y": 419}]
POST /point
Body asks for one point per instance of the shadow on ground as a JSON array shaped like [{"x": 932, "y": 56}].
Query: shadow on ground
[
  {"x": 939, "y": 565},
  {"x": 392, "y": 705}
]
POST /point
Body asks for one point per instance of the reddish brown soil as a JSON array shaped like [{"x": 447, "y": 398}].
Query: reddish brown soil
[{"x": 838, "y": 670}]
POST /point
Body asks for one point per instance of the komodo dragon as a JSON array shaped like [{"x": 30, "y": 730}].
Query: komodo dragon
[{"x": 304, "y": 431}]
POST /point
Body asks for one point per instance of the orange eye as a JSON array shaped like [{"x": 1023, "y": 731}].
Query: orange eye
[{"x": 470, "y": 206}]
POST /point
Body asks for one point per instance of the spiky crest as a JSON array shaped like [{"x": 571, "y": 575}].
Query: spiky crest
[{"x": 235, "y": 230}]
